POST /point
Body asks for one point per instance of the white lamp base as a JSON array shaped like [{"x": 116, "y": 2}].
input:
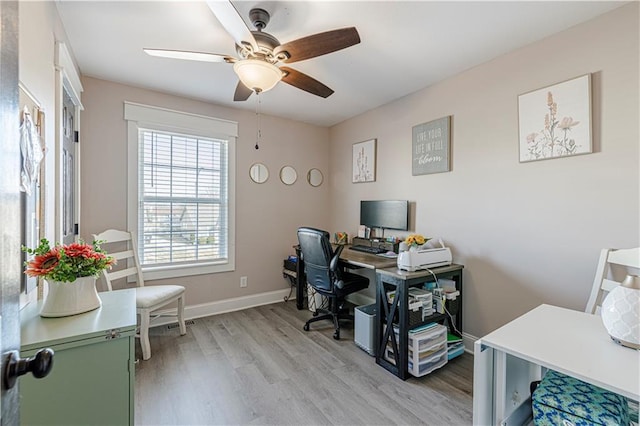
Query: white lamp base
[{"x": 621, "y": 316}]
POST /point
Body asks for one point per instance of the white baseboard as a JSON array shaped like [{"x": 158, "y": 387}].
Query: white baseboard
[
  {"x": 222, "y": 306},
  {"x": 245, "y": 302},
  {"x": 468, "y": 340}
]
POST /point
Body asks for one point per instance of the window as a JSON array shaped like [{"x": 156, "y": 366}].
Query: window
[{"x": 181, "y": 191}]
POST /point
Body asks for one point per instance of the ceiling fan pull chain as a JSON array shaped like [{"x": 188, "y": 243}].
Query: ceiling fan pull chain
[{"x": 259, "y": 131}]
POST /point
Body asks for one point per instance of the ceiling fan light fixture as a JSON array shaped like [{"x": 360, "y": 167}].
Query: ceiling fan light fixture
[{"x": 257, "y": 75}]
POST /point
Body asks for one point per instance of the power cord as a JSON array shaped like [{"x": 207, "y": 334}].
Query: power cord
[
  {"x": 434, "y": 277},
  {"x": 451, "y": 320},
  {"x": 443, "y": 301}
]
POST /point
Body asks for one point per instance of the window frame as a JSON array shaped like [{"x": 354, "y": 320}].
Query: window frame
[{"x": 162, "y": 119}]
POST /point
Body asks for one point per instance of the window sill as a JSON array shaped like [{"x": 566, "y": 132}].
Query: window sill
[{"x": 163, "y": 272}]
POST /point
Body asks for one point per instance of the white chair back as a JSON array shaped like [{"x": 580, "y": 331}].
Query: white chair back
[
  {"x": 606, "y": 278},
  {"x": 127, "y": 258}
]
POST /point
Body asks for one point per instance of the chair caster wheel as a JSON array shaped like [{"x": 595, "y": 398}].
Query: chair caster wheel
[
  {"x": 336, "y": 335},
  {"x": 306, "y": 327},
  {"x": 315, "y": 313}
]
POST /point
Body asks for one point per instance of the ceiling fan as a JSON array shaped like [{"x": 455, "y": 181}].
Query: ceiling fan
[{"x": 259, "y": 52}]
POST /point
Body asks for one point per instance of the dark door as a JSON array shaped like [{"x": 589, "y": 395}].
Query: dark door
[
  {"x": 68, "y": 170},
  {"x": 10, "y": 219}
]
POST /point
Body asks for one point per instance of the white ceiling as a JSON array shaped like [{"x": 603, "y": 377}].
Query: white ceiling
[{"x": 405, "y": 46}]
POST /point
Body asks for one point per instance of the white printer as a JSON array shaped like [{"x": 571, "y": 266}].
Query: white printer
[{"x": 425, "y": 257}]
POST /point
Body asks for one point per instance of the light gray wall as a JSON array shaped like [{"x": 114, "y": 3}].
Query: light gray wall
[
  {"x": 267, "y": 215},
  {"x": 40, "y": 28},
  {"x": 527, "y": 233}
]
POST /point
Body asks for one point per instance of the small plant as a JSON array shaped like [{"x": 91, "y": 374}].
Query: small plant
[{"x": 65, "y": 263}]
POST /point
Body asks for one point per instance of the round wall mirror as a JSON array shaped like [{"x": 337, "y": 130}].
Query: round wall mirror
[
  {"x": 314, "y": 177},
  {"x": 259, "y": 173},
  {"x": 288, "y": 175}
]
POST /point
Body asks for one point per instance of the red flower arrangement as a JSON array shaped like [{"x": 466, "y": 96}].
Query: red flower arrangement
[{"x": 65, "y": 263}]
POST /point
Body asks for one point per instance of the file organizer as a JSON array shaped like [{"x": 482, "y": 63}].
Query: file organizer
[{"x": 455, "y": 346}]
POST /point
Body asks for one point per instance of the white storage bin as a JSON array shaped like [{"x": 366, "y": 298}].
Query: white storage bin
[{"x": 364, "y": 328}]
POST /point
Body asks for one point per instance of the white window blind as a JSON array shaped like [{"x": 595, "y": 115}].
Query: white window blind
[{"x": 183, "y": 194}]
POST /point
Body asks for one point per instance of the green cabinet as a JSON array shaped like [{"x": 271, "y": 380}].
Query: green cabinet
[{"x": 92, "y": 380}]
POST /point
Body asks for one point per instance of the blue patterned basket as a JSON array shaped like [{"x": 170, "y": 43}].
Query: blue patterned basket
[{"x": 563, "y": 400}]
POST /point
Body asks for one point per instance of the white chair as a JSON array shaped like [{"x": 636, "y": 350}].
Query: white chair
[
  {"x": 613, "y": 265},
  {"x": 148, "y": 299},
  {"x": 628, "y": 260}
]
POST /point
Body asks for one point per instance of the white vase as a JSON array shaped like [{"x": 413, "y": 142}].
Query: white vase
[{"x": 70, "y": 298}]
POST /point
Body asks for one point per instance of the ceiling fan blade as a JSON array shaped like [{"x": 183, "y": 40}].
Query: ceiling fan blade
[
  {"x": 306, "y": 83},
  {"x": 191, "y": 56},
  {"x": 231, "y": 20},
  {"x": 318, "y": 44},
  {"x": 242, "y": 92}
]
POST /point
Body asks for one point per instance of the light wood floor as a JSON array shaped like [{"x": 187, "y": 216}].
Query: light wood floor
[{"x": 258, "y": 367}]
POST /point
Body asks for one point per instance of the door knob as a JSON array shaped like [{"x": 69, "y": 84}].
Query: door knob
[{"x": 39, "y": 365}]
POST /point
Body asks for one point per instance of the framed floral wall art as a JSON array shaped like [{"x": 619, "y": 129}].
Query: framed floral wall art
[
  {"x": 364, "y": 161},
  {"x": 555, "y": 121}
]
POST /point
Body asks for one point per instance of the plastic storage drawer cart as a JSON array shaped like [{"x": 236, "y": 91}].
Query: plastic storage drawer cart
[
  {"x": 563, "y": 400},
  {"x": 427, "y": 350}
]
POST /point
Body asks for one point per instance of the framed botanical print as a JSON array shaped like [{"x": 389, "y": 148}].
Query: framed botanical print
[
  {"x": 555, "y": 121},
  {"x": 364, "y": 161}
]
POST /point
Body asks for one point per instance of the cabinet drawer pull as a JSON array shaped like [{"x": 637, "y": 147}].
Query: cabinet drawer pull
[{"x": 113, "y": 334}]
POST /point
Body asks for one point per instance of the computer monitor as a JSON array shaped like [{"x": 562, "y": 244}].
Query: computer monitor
[{"x": 385, "y": 214}]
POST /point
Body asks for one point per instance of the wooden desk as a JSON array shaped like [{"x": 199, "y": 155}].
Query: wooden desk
[
  {"x": 394, "y": 279},
  {"x": 351, "y": 259},
  {"x": 572, "y": 342}
]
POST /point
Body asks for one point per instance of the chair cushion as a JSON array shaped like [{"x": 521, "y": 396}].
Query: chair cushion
[
  {"x": 561, "y": 399},
  {"x": 149, "y": 296}
]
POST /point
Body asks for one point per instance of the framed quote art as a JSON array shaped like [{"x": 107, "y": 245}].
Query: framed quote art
[
  {"x": 364, "y": 161},
  {"x": 430, "y": 147},
  {"x": 555, "y": 121}
]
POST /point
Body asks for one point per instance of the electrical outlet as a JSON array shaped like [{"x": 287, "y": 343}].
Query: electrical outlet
[
  {"x": 515, "y": 398},
  {"x": 243, "y": 281}
]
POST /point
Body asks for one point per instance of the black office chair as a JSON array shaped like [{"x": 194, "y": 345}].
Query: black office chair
[{"x": 326, "y": 277}]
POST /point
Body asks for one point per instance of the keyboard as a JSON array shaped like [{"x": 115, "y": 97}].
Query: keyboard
[{"x": 367, "y": 249}]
